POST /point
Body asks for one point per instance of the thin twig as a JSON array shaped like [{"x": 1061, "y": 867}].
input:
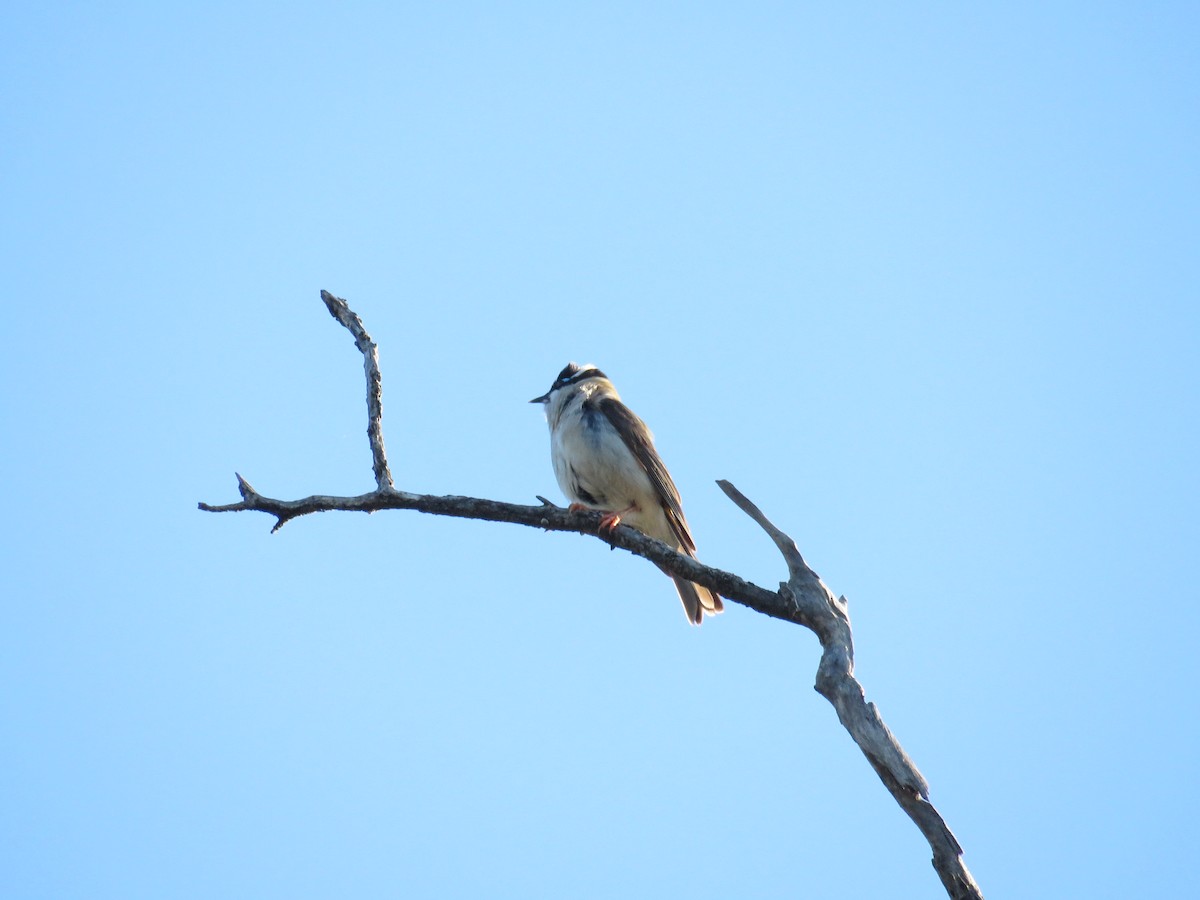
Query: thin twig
[{"x": 340, "y": 310}]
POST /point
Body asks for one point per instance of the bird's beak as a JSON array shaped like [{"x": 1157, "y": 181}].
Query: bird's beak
[{"x": 541, "y": 399}]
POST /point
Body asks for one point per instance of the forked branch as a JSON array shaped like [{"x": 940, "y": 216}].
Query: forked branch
[{"x": 803, "y": 598}]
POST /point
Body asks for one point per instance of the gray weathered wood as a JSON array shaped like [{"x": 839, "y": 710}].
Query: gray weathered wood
[{"x": 340, "y": 310}]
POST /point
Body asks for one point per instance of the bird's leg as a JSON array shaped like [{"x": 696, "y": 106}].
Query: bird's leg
[{"x": 610, "y": 520}]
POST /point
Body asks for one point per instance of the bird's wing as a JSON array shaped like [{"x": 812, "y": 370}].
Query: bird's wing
[{"x": 636, "y": 435}]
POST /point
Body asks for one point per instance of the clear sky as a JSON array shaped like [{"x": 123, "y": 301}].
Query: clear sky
[{"x": 920, "y": 280}]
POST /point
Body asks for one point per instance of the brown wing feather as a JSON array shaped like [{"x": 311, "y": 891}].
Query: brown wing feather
[{"x": 637, "y": 438}]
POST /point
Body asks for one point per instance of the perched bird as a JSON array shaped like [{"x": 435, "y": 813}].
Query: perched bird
[{"x": 604, "y": 458}]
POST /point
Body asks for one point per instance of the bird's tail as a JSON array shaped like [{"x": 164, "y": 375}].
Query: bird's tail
[{"x": 698, "y": 601}]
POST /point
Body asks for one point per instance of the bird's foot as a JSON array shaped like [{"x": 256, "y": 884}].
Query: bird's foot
[
  {"x": 577, "y": 508},
  {"x": 609, "y": 521}
]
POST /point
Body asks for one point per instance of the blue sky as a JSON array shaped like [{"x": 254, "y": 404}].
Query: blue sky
[{"x": 921, "y": 282}]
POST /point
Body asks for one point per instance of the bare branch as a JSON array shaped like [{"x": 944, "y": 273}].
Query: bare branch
[
  {"x": 545, "y": 516},
  {"x": 803, "y": 599},
  {"x": 817, "y": 609},
  {"x": 791, "y": 553},
  {"x": 340, "y": 310}
]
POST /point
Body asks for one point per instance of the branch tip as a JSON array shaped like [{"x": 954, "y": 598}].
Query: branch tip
[
  {"x": 331, "y": 302},
  {"x": 787, "y": 547},
  {"x": 245, "y": 488}
]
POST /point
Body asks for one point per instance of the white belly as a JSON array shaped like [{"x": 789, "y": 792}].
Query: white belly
[{"x": 595, "y": 468}]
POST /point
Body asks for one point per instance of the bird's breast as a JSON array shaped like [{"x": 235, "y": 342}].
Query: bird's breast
[{"x": 594, "y": 466}]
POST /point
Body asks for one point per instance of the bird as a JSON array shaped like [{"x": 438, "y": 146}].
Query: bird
[{"x": 604, "y": 459}]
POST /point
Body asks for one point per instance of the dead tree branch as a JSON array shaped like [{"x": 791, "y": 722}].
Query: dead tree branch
[
  {"x": 803, "y": 598},
  {"x": 340, "y": 310}
]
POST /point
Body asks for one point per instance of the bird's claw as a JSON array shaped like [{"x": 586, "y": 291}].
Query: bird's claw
[{"x": 610, "y": 521}]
